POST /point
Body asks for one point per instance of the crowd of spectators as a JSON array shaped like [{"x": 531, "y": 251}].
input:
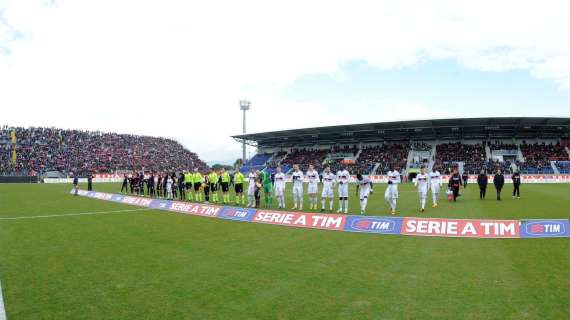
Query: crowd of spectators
[
  {"x": 420, "y": 146},
  {"x": 389, "y": 156},
  {"x": 472, "y": 155},
  {"x": 76, "y": 151},
  {"x": 305, "y": 157},
  {"x": 497, "y": 145},
  {"x": 563, "y": 166},
  {"x": 539, "y": 155}
]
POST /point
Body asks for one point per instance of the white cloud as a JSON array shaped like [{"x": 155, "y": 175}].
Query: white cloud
[{"x": 177, "y": 67}]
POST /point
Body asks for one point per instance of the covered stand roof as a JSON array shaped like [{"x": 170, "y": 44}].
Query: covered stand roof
[{"x": 415, "y": 130}]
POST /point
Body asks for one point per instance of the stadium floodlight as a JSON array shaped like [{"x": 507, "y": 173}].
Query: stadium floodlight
[{"x": 244, "y": 105}]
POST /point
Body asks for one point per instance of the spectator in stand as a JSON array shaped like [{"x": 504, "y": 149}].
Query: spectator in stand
[{"x": 49, "y": 149}]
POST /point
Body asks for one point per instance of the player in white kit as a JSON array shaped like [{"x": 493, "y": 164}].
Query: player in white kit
[
  {"x": 297, "y": 177},
  {"x": 391, "y": 194},
  {"x": 343, "y": 178},
  {"x": 328, "y": 184},
  {"x": 280, "y": 187},
  {"x": 435, "y": 185},
  {"x": 313, "y": 187},
  {"x": 422, "y": 184},
  {"x": 364, "y": 188},
  {"x": 251, "y": 188}
]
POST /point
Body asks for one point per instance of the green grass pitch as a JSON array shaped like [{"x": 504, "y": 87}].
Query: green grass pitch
[{"x": 158, "y": 265}]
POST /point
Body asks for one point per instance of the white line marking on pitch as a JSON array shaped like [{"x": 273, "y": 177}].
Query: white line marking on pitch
[
  {"x": 72, "y": 214},
  {"x": 2, "y": 309}
]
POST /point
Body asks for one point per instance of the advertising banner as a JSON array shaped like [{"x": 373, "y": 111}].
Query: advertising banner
[
  {"x": 239, "y": 214},
  {"x": 414, "y": 226},
  {"x": 383, "y": 225},
  {"x": 301, "y": 220},
  {"x": 466, "y": 228},
  {"x": 545, "y": 228}
]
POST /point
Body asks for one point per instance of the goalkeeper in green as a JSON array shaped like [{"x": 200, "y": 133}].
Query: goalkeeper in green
[{"x": 267, "y": 188}]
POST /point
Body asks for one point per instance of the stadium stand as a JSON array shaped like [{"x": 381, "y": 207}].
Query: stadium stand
[
  {"x": 563, "y": 166},
  {"x": 472, "y": 155},
  {"x": 48, "y": 149},
  {"x": 538, "y": 157},
  {"x": 305, "y": 157}
]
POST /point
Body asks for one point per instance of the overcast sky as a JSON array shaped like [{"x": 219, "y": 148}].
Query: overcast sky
[{"x": 178, "y": 68}]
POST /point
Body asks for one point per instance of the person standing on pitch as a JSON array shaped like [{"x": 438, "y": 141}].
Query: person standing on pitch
[
  {"x": 197, "y": 181},
  {"x": 89, "y": 182},
  {"x": 225, "y": 177},
  {"x": 238, "y": 186},
  {"x": 465, "y": 178},
  {"x": 297, "y": 177},
  {"x": 188, "y": 180},
  {"x": 169, "y": 183},
  {"x": 455, "y": 182},
  {"x": 422, "y": 184},
  {"x": 125, "y": 185},
  {"x": 182, "y": 186},
  {"x": 499, "y": 182},
  {"x": 313, "y": 187},
  {"x": 343, "y": 178},
  {"x": 265, "y": 178},
  {"x": 435, "y": 186},
  {"x": 363, "y": 189},
  {"x": 251, "y": 179},
  {"x": 482, "y": 181},
  {"x": 280, "y": 187},
  {"x": 213, "y": 183},
  {"x": 391, "y": 193},
  {"x": 328, "y": 185},
  {"x": 150, "y": 185},
  {"x": 517, "y": 185},
  {"x": 75, "y": 184}
]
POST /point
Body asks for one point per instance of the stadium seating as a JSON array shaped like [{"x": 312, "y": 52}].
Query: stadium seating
[
  {"x": 472, "y": 155},
  {"x": 306, "y": 157},
  {"x": 49, "y": 149},
  {"x": 539, "y": 155},
  {"x": 563, "y": 166}
]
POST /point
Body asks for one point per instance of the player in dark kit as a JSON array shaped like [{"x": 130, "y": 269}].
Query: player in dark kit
[
  {"x": 150, "y": 185},
  {"x": 89, "y": 181},
  {"x": 182, "y": 186},
  {"x": 125, "y": 185},
  {"x": 455, "y": 183},
  {"x": 482, "y": 181},
  {"x": 465, "y": 178},
  {"x": 159, "y": 186},
  {"x": 499, "y": 182},
  {"x": 517, "y": 185}
]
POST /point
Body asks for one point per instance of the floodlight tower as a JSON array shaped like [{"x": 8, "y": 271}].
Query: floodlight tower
[{"x": 244, "y": 105}]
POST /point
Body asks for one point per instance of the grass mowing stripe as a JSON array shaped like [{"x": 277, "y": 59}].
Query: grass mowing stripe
[
  {"x": 72, "y": 214},
  {"x": 2, "y": 309}
]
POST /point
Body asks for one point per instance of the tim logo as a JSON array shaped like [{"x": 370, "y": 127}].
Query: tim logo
[
  {"x": 545, "y": 228},
  {"x": 236, "y": 214},
  {"x": 374, "y": 225}
]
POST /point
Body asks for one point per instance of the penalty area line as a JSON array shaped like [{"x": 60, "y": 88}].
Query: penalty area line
[
  {"x": 2, "y": 309},
  {"x": 72, "y": 214}
]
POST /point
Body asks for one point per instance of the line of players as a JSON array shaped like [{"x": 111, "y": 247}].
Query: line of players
[{"x": 193, "y": 186}]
